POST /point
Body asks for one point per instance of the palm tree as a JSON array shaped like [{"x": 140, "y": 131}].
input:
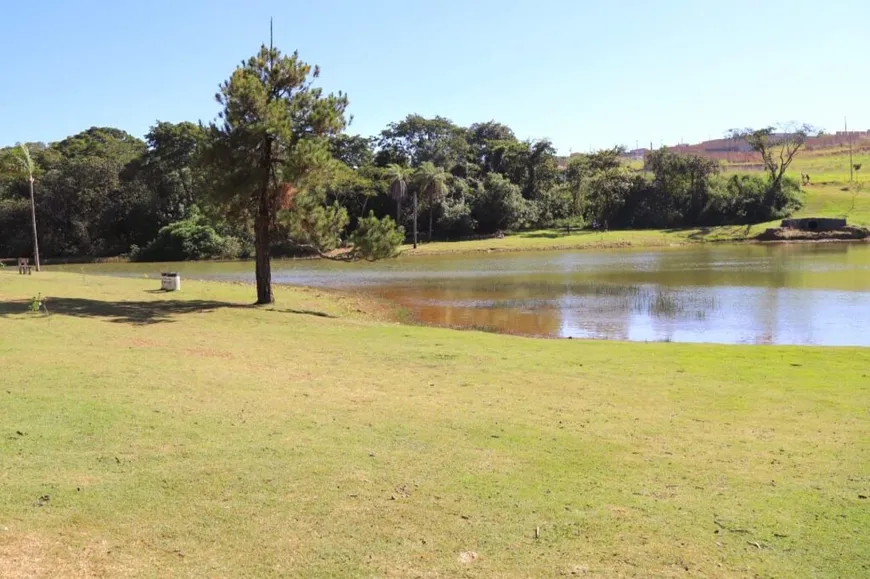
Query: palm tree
[
  {"x": 398, "y": 176},
  {"x": 27, "y": 165},
  {"x": 432, "y": 183}
]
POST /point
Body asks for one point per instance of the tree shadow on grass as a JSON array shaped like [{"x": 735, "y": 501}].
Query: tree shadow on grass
[{"x": 136, "y": 313}]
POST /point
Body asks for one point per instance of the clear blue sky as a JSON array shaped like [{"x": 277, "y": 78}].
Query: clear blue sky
[{"x": 581, "y": 72}]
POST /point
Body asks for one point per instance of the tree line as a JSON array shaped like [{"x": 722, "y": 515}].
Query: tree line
[{"x": 277, "y": 173}]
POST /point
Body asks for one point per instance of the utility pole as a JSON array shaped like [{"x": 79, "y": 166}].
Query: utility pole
[
  {"x": 415, "y": 218},
  {"x": 33, "y": 219},
  {"x": 851, "y": 164},
  {"x": 27, "y": 165}
]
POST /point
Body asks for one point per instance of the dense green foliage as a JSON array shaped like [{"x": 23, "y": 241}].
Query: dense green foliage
[
  {"x": 190, "y": 238},
  {"x": 104, "y": 191}
]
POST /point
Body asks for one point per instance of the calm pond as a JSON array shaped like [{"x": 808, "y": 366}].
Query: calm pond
[{"x": 757, "y": 294}]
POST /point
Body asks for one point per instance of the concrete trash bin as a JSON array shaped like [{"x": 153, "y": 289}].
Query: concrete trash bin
[{"x": 170, "y": 282}]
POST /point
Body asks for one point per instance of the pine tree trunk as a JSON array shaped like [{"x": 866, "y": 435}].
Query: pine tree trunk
[
  {"x": 33, "y": 219},
  {"x": 263, "y": 244},
  {"x": 415, "y": 220}
]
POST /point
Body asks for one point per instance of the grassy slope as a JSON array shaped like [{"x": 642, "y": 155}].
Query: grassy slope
[
  {"x": 829, "y": 166},
  {"x": 189, "y": 435}
]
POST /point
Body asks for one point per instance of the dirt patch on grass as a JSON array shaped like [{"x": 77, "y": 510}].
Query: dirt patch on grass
[
  {"x": 787, "y": 234},
  {"x": 31, "y": 555},
  {"x": 208, "y": 353},
  {"x": 140, "y": 343}
]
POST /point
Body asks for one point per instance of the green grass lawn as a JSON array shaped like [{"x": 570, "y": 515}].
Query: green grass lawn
[
  {"x": 827, "y": 166},
  {"x": 190, "y": 435},
  {"x": 819, "y": 201}
]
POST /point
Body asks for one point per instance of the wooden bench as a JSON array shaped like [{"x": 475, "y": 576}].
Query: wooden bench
[{"x": 24, "y": 266}]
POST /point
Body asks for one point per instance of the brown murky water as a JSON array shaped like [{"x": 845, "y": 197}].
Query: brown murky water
[{"x": 765, "y": 294}]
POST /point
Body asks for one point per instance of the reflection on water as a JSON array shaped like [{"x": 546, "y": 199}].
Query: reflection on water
[
  {"x": 581, "y": 309},
  {"x": 782, "y": 294}
]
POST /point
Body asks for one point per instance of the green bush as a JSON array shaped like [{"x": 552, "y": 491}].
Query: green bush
[
  {"x": 189, "y": 239},
  {"x": 456, "y": 220},
  {"x": 741, "y": 199},
  {"x": 554, "y": 207},
  {"x": 499, "y": 205},
  {"x": 376, "y": 238}
]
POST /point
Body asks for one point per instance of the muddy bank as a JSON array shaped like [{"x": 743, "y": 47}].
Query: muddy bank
[{"x": 848, "y": 233}]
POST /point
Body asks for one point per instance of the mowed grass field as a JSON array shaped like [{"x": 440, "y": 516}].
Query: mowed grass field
[{"x": 191, "y": 435}]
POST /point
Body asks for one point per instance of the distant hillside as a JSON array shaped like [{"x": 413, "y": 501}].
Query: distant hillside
[{"x": 739, "y": 152}]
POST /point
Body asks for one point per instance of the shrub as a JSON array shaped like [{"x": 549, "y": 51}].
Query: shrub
[
  {"x": 376, "y": 238},
  {"x": 500, "y": 205},
  {"x": 554, "y": 207},
  {"x": 191, "y": 238},
  {"x": 741, "y": 199},
  {"x": 456, "y": 220},
  {"x": 233, "y": 248}
]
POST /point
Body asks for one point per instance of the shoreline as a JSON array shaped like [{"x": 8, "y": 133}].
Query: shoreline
[
  {"x": 627, "y": 245},
  {"x": 423, "y": 252}
]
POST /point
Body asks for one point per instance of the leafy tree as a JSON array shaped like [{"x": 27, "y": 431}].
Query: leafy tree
[
  {"x": 432, "y": 183},
  {"x": 14, "y": 230},
  {"x": 580, "y": 166},
  {"x": 541, "y": 168},
  {"x": 683, "y": 182},
  {"x": 457, "y": 220},
  {"x": 355, "y": 151},
  {"x": 102, "y": 142},
  {"x": 191, "y": 238},
  {"x": 530, "y": 164},
  {"x": 479, "y": 134},
  {"x": 77, "y": 196},
  {"x": 777, "y": 146},
  {"x": 273, "y": 138},
  {"x": 170, "y": 169},
  {"x": 558, "y": 205},
  {"x": 351, "y": 188},
  {"x": 416, "y": 139},
  {"x": 508, "y": 158},
  {"x": 608, "y": 193},
  {"x": 588, "y": 179},
  {"x": 500, "y": 205},
  {"x": 740, "y": 199},
  {"x": 483, "y": 140}
]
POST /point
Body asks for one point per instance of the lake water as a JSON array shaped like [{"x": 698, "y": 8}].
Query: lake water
[{"x": 756, "y": 294}]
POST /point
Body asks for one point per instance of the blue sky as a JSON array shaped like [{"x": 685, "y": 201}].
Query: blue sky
[{"x": 582, "y": 73}]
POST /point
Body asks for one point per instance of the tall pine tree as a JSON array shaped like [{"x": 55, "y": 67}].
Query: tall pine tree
[{"x": 271, "y": 137}]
